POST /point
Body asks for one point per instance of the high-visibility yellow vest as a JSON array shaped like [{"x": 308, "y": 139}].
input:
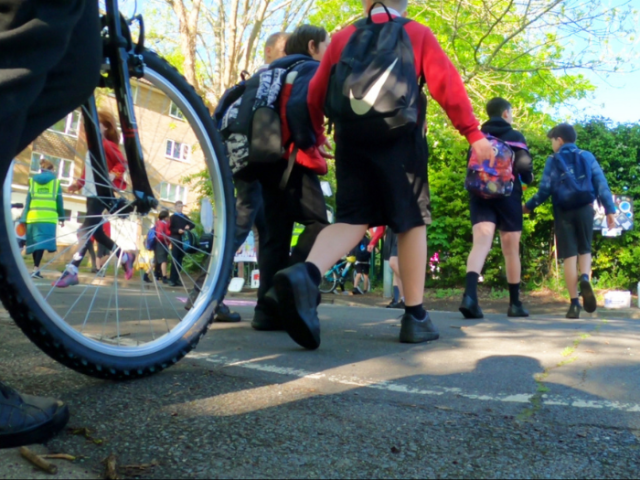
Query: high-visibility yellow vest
[
  {"x": 44, "y": 202},
  {"x": 297, "y": 231}
]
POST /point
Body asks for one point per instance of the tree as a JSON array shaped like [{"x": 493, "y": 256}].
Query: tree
[{"x": 218, "y": 39}]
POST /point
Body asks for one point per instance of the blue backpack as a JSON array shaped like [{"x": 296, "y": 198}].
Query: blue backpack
[
  {"x": 573, "y": 187},
  {"x": 150, "y": 241}
]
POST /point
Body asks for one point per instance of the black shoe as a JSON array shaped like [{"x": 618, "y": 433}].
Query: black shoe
[
  {"x": 25, "y": 419},
  {"x": 574, "y": 311},
  {"x": 517, "y": 311},
  {"x": 267, "y": 314},
  {"x": 588, "y": 297},
  {"x": 356, "y": 291},
  {"x": 224, "y": 315},
  {"x": 398, "y": 305},
  {"x": 417, "y": 331},
  {"x": 146, "y": 278},
  {"x": 175, "y": 284},
  {"x": 470, "y": 308},
  {"x": 165, "y": 281},
  {"x": 298, "y": 299}
]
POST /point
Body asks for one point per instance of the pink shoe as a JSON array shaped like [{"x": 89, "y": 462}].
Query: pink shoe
[
  {"x": 128, "y": 266},
  {"x": 66, "y": 280}
]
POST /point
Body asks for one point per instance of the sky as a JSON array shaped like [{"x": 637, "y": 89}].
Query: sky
[{"x": 617, "y": 96}]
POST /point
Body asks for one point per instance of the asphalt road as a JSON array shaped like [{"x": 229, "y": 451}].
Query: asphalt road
[{"x": 542, "y": 397}]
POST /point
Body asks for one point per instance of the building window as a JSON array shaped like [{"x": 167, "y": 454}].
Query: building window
[
  {"x": 67, "y": 215},
  {"x": 69, "y": 125},
  {"x": 64, "y": 167},
  {"x": 178, "y": 151},
  {"x": 175, "y": 112},
  {"x": 170, "y": 192}
]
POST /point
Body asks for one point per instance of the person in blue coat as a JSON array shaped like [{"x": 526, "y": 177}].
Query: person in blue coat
[
  {"x": 44, "y": 209},
  {"x": 574, "y": 221}
]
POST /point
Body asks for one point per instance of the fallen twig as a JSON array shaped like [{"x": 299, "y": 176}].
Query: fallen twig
[
  {"x": 38, "y": 461},
  {"x": 60, "y": 456},
  {"x": 111, "y": 472}
]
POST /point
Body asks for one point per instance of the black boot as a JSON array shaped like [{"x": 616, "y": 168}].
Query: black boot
[
  {"x": 470, "y": 308},
  {"x": 25, "y": 419},
  {"x": 267, "y": 315},
  {"x": 298, "y": 298},
  {"x": 417, "y": 331},
  {"x": 225, "y": 315},
  {"x": 517, "y": 311}
]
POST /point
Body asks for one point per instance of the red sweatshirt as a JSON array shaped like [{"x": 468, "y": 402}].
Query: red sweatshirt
[
  {"x": 443, "y": 80},
  {"x": 163, "y": 232},
  {"x": 116, "y": 163}
]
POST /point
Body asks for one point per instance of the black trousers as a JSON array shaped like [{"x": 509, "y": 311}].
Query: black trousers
[
  {"x": 50, "y": 56},
  {"x": 249, "y": 212},
  {"x": 177, "y": 255},
  {"x": 90, "y": 227},
  {"x": 302, "y": 201}
]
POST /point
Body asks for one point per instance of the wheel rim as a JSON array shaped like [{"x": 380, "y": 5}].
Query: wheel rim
[{"x": 122, "y": 337}]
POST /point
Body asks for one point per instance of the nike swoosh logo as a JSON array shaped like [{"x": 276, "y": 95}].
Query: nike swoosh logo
[{"x": 362, "y": 107}]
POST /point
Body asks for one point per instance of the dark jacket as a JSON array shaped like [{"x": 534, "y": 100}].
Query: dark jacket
[
  {"x": 548, "y": 183},
  {"x": 523, "y": 163},
  {"x": 360, "y": 251},
  {"x": 177, "y": 222}
]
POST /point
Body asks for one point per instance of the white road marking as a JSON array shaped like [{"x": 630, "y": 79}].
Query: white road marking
[{"x": 390, "y": 386}]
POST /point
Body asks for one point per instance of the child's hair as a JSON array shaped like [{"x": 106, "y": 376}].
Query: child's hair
[
  {"x": 399, "y": 5},
  {"x": 274, "y": 38},
  {"x": 110, "y": 123},
  {"x": 298, "y": 42},
  {"x": 47, "y": 165},
  {"x": 564, "y": 131},
  {"x": 497, "y": 106},
  {"x": 163, "y": 214}
]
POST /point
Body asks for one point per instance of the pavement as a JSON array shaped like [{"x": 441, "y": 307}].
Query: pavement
[{"x": 542, "y": 397}]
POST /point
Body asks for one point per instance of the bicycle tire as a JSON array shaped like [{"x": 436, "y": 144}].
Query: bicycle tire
[
  {"x": 329, "y": 284},
  {"x": 18, "y": 294}
]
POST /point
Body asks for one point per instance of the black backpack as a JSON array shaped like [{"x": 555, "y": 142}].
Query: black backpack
[
  {"x": 373, "y": 91},
  {"x": 190, "y": 242},
  {"x": 250, "y": 124}
]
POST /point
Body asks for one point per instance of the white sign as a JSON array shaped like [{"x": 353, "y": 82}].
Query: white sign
[{"x": 247, "y": 252}]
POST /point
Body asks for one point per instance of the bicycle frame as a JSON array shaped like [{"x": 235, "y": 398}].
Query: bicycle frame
[{"x": 123, "y": 60}]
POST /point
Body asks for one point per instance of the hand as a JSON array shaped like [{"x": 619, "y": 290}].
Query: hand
[
  {"x": 325, "y": 149},
  {"x": 611, "y": 221},
  {"x": 73, "y": 188},
  {"x": 62, "y": 223},
  {"x": 187, "y": 227},
  {"x": 180, "y": 231},
  {"x": 370, "y": 248},
  {"x": 525, "y": 210},
  {"x": 484, "y": 151}
]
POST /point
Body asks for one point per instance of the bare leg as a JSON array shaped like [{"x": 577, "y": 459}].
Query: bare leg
[
  {"x": 511, "y": 251},
  {"x": 356, "y": 281},
  {"x": 482, "y": 239},
  {"x": 584, "y": 261},
  {"x": 163, "y": 269},
  {"x": 571, "y": 276},
  {"x": 397, "y": 279},
  {"x": 367, "y": 285},
  {"x": 333, "y": 242},
  {"x": 412, "y": 260}
]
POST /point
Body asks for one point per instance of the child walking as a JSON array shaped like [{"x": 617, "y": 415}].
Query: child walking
[
  {"x": 381, "y": 162},
  {"x": 574, "y": 179}
]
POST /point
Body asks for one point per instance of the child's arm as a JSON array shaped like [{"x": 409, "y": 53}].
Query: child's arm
[
  {"x": 523, "y": 164},
  {"x": 544, "y": 189},
  {"x": 603, "y": 192},
  {"x": 318, "y": 92}
]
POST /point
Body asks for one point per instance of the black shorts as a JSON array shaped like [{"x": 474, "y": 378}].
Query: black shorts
[
  {"x": 390, "y": 248},
  {"x": 574, "y": 231},
  {"x": 103, "y": 251},
  {"x": 505, "y": 213},
  {"x": 363, "y": 268},
  {"x": 386, "y": 185},
  {"x": 161, "y": 253}
]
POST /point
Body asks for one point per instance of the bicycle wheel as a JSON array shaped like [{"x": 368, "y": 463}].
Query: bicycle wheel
[
  {"x": 107, "y": 326},
  {"x": 329, "y": 282}
]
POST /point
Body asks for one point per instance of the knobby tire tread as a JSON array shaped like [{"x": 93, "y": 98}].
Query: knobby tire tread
[{"x": 16, "y": 295}]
